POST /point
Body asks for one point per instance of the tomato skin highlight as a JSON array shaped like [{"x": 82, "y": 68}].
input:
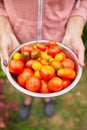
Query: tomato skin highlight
[
  {"x": 24, "y": 75},
  {"x": 27, "y": 48},
  {"x": 15, "y": 66},
  {"x": 55, "y": 84},
  {"x": 33, "y": 84}
]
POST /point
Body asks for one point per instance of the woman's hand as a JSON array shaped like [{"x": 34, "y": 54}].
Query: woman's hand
[
  {"x": 8, "y": 40},
  {"x": 73, "y": 38}
]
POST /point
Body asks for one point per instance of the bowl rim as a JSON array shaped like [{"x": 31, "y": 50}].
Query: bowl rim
[{"x": 41, "y": 95}]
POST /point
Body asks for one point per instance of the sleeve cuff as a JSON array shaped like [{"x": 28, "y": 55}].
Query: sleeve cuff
[
  {"x": 80, "y": 12},
  {"x": 3, "y": 12}
]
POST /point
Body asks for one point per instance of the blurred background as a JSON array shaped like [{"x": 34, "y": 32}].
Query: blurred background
[{"x": 71, "y": 108}]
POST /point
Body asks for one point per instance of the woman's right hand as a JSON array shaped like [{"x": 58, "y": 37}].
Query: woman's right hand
[{"x": 8, "y": 41}]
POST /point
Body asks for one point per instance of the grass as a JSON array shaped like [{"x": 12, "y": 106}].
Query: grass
[{"x": 70, "y": 113}]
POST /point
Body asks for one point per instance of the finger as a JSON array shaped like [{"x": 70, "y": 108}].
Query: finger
[
  {"x": 14, "y": 40},
  {"x": 81, "y": 57}
]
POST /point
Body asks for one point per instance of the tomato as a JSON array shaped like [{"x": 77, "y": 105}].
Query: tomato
[
  {"x": 44, "y": 87},
  {"x": 47, "y": 72},
  {"x": 33, "y": 84},
  {"x": 27, "y": 48},
  {"x": 66, "y": 83},
  {"x": 23, "y": 76},
  {"x": 56, "y": 65},
  {"x": 55, "y": 84},
  {"x": 44, "y": 62},
  {"x": 35, "y": 54},
  {"x": 67, "y": 62},
  {"x": 37, "y": 74},
  {"x": 51, "y": 43},
  {"x": 29, "y": 63},
  {"x": 17, "y": 56},
  {"x": 60, "y": 56},
  {"x": 36, "y": 65},
  {"x": 25, "y": 55},
  {"x": 44, "y": 55},
  {"x": 15, "y": 66},
  {"x": 41, "y": 46},
  {"x": 66, "y": 73},
  {"x": 53, "y": 50}
]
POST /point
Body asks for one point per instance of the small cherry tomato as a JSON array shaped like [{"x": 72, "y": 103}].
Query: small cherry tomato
[
  {"x": 47, "y": 72},
  {"x": 44, "y": 87},
  {"x": 41, "y": 46},
  {"x": 17, "y": 56},
  {"x": 53, "y": 50},
  {"x": 33, "y": 84},
  {"x": 24, "y": 75},
  {"x": 15, "y": 66},
  {"x": 35, "y": 54},
  {"x": 55, "y": 84},
  {"x": 56, "y": 65},
  {"x": 67, "y": 62},
  {"x": 36, "y": 65},
  {"x": 29, "y": 63},
  {"x": 60, "y": 56},
  {"x": 27, "y": 48},
  {"x": 51, "y": 43}
]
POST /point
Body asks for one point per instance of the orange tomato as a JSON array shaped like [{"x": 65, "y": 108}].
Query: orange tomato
[
  {"x": 55, "y": 84},
  {"x": 60, "y": 56},
  {"x": 33, "y": 84},
  {"x": 56, "y": 65},
  {"x": 24, "y": 75},
  {"x": 67, "y": 62},
  {"x": 66, "y": 73},
  {"x": 47, "y": 72}
]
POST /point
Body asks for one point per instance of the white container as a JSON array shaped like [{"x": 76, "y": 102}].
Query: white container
[{"x": 68, "y": 52}]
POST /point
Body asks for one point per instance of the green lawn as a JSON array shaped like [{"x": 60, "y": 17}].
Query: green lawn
[{"x": 70, "y": 113}]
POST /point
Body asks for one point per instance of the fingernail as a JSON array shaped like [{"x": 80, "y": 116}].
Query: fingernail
[{"x": 5, "y": 63}]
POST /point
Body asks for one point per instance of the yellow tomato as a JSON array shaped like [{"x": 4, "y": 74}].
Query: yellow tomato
[
  {"x": 60, "y": 56},
  {"x": 36, "y": 65},
  {"x": 37, "y": 74},
  {"x": 44, "y": 55},
  {"x": 17, "y": 56}
]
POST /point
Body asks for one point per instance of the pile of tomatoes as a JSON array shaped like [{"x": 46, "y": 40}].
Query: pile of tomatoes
[{"x": 42, "y": 68}]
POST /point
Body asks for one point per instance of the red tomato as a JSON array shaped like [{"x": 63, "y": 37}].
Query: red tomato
[
  {"x": 29, "y": 63},
  {"x": 27, "y": 48},
  {"x": 44, "y": 87},
  {"x": 51, "y": 43},
  {"x": 41, "y": 46},
  {"x": 24, "y": 75},
  {"x": 53, "y": 50},
  {"x": 16, "y": 66},
  {"x": 47, "y": 72},
  {"x": 55, "y": 84},
  {"x": 66, "y": 83},
  {"x": 33, "y": 84},
  {"x": 67, "y": 62}
]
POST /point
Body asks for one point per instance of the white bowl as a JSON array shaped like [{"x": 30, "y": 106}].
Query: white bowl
[{"x": 68, "y": 52}]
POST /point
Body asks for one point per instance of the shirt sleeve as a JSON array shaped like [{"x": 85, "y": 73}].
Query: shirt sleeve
[
  {"x": 2, "y": 9},
  {"x": 80, "y": 9}
]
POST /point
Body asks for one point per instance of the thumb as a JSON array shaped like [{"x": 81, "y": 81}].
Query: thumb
[{"x": 14, "y": 40}]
